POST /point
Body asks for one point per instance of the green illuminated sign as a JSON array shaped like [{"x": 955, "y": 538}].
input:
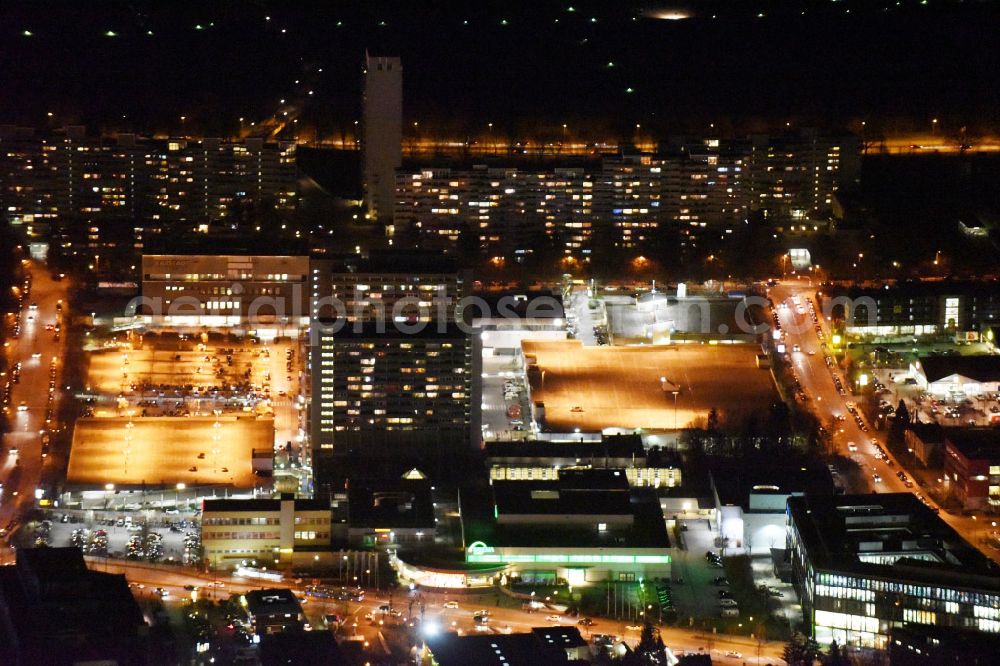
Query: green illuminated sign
[{"x": 478, "y": 548}]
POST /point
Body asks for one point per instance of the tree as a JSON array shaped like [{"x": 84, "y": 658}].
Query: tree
[
  {"x": 897, "y": 431},
  {"x": 801, "y": 650},
  {"x": 902, "y": 413},
  {"x": 650, "y": 649},
  {"x": 836, "y": 655}
]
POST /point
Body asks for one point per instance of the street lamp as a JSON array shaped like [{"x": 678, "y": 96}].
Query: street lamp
[{"x": 670, "y": 387}]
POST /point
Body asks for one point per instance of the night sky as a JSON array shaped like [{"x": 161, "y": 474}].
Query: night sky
[{"x": 523, "y": 65}]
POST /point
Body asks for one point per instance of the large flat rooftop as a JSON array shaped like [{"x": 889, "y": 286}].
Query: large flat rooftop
[
  {"x": 592, "y": 388},
  {"x": 168, "y": 451},
  {"x": 842, "y": 533}
]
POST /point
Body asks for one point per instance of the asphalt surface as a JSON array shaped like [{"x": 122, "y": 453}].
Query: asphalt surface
[
  {"x": 33, "y": 389},
  {"x": 817, "y": 383},
  {"x": 502, "y": 620}
]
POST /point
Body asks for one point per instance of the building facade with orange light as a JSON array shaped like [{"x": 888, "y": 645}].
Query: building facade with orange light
[{"x": 577, "y": 206}]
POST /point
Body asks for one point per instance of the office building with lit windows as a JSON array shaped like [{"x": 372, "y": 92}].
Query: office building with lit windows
[
  {"x": 266, "y": 532},
  {"x": 864, "y": 565},
  {"x": 404, "y": 388},
  {"x": 967, "y": 309},
  {"x": 267, "y": 294}
]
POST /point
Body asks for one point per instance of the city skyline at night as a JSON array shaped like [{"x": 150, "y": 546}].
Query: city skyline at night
[{"x": 654, "y": 332}]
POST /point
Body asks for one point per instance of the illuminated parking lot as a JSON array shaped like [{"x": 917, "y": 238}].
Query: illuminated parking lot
[
  {"x": 168, "y": 450},
  {"x": 592, "y": 388}
]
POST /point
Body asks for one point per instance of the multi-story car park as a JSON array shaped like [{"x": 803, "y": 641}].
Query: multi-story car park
[{"x": 865, "y": 564}]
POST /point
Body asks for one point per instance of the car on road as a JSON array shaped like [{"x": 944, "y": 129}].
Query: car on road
[
  {"x": 733, "y": 654},
  {"x": 36, "y": 355},
  {"x": 553, "y": 618},
  {"x": 852, "y": 447},
  {"x": 796, "y": 348},
  {"x": 450, "y": 604},
  {"x": 728, "y": 603},
  {"x": 23, "y": 407},
  {"x": 586, "y": 622},
  {"x": 876, "y": 477}
]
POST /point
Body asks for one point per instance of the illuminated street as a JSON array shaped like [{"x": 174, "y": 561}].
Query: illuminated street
[
  {"x": 20, "y": 472},
  {"x": 817, "y": 382},
  {"x": 457, "y": 619}
]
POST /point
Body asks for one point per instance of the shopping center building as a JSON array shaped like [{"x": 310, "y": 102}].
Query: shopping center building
[{"x": 585, "y": 527}]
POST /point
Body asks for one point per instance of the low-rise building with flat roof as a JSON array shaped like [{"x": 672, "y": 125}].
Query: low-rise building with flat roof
[
  {"x": 905, "y": 309},
  {"x": 272, "y": 532},
  {"x": 927, "y": 645},
  {"x": 587, "y": 526},
  {"x": 272, "y": 611},
  {"x": 864, "y": 565},
  {"x": 543, "y": 460},
  {"x": 506, "y": 319},
  {"x": 957, "y": 377},
  {"x": 547, "y": 645},
  {"x": 972, "y": 467},
  {"x": 751, "y": 497},
  {"x": 926, "y": 442},
  {"x": 389, "y": 513}
]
